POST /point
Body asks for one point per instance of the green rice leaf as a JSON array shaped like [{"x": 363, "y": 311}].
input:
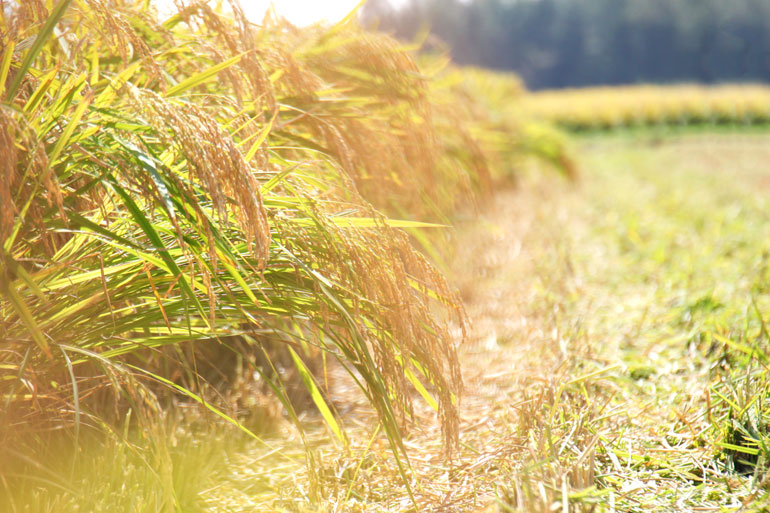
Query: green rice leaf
[
  {"x": 21, "y": 308},
  {"x": 315, "y": 394},
  {"x": 368, "y": 222},
  {"x": 203, "y": 76}
]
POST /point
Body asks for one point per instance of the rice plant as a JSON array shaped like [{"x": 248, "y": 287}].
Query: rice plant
[{"x": 173, "y": 186}]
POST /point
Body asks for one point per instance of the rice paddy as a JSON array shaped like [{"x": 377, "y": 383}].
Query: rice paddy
[
  {"x": 606, "y": 108},
  {"x": 228, "y": 280}
]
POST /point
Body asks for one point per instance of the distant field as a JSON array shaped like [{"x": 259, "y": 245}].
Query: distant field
[{"x": 601, "y": 108}]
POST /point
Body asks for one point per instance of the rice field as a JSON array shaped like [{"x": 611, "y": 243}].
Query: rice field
[
  {"x": 604, "y": 108},
  {"x": 251, "y": 267},
  {"x": 615, "y": 360}
]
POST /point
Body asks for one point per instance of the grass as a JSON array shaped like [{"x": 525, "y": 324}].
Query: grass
[
  {"x": 665, "y": 256},
  {"x": 714, "y": 308}
]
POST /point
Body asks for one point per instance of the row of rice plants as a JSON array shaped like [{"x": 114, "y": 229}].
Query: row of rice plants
[
  {"x": 183, "y": 191},
  {"x": 647, "y": 105}
]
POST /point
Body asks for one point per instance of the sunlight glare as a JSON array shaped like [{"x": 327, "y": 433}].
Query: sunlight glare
[{"x": 301, "y": 12}]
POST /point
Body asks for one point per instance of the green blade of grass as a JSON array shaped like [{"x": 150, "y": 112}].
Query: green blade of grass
[
  {"x": 70, "y": 129},
  {"x": 203, "y": 76},
  {"x": 368, "y": 222},
  {"x": 21, "y": 308},
  {"x": 195, "y": 397},
  {"x": 5, "y": 64},
  {"x": 261, "y": 136},
  {"x": 318, "y": 399}
]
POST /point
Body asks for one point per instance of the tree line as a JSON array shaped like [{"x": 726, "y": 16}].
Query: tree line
[{"x": 567, "y": 43}]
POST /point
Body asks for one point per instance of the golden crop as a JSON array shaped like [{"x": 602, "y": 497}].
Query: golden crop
[
  {"x": 173, "y": 188},
  {"x": 607, "y": 107}
]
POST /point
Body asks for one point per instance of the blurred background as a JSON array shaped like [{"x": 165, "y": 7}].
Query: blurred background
[{"x": 570, "y": 43}]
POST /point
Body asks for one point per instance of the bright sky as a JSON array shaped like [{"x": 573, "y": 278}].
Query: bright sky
[
  {"x": 299, "y": 12},
  {"x": 304, "y": 12}
]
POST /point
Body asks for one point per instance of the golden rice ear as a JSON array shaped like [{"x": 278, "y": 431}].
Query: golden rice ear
[
  {"x": 8, "y": 170},
  {"x": 215, "y": 162}
]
